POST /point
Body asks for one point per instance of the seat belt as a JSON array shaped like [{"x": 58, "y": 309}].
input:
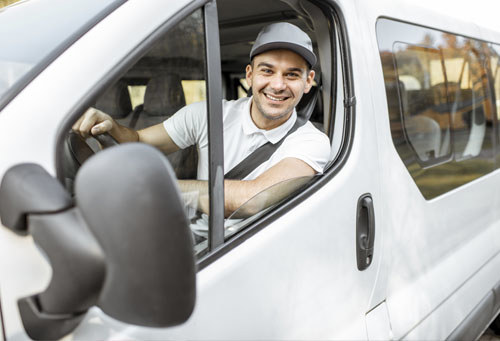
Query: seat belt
[
  {"x": 259, "y": 156},
  {"x": 264, "y": 152}
]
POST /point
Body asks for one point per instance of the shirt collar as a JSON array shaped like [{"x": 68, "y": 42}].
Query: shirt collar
[{"x": 273, "y": 135}]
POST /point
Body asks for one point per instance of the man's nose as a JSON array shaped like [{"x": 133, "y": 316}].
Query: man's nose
[{"x": 278, "y": 82}]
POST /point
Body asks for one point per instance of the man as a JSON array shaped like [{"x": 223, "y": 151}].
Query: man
[{"x": 279, "y": 74}]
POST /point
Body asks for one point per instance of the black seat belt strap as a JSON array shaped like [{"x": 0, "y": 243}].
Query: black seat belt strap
[
  {"x": 260, "y": 155},
  {"x": 264, "y": 152}
]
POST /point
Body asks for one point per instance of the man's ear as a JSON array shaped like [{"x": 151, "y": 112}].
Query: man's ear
[
  {"x": 248, "y": 76},
  {"x": 309, "y": 81}
]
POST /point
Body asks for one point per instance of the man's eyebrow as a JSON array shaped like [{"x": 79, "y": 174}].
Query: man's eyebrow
[
  {"x": 292, "y": 69},
  {"x": 265, "y": 65},
  {"x": 295, "y": 69}
]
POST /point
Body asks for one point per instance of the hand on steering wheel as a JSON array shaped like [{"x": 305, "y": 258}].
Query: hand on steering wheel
[{"x": 76, "y": 148}]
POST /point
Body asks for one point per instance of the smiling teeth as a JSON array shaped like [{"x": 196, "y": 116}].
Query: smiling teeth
[{"x": 274, "y": 98}]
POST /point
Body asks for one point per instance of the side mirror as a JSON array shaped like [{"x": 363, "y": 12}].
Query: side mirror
[
  {"x": 130, "y": 200},
  {"x": 126, "y": 236}
]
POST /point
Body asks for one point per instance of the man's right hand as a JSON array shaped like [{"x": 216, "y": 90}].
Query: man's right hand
[{"x": 94, "y": 122}]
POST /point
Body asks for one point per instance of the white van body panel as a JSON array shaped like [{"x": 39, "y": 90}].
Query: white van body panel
[
  {"x": 433, "y": 262},
  {"x": 47, "y": 100},
  {"x": 274, "y": 276},
  {"x": 438, "y": 246}
]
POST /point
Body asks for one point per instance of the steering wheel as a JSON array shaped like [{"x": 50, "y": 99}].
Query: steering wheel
[{"x": 77, "y": 151}]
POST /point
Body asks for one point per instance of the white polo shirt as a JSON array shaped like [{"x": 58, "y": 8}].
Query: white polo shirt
[{"x": 241, "y": 137}]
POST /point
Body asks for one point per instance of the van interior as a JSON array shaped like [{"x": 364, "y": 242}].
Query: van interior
[{"x": 172, "y": 74}]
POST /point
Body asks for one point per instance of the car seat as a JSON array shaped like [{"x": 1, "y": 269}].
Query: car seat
[
  {"x": 164, "y": 96},
  {"x": 115, "y": 101}
]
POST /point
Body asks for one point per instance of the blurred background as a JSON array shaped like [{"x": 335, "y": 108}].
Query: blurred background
[{"x": 4, "y": 3}]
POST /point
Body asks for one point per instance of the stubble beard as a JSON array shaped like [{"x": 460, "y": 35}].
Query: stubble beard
[{"x": 270, "y": 116}]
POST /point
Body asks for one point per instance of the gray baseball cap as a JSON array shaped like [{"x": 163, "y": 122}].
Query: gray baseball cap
[{"x": 284, "y": 36}]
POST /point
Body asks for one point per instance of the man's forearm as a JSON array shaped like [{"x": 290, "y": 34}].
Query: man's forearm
[
  {"x": 123, "y": 134},
  {"x": 236, "y": 193},
  {"x": 197, "y": 191}
]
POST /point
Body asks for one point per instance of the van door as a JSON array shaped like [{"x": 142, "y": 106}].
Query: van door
[{"x": 294, "y": 273}]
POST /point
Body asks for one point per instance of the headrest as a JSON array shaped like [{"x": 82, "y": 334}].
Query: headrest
[
  {"x": 164, "y": 95},
  {"x": 307, "y": 103},
  {"x": 115, "y": 101}
]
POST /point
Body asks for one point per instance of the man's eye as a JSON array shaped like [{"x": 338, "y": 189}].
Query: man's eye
[
  {"x": 293, "y": 75},
  {"x": 266, "y": 71}
]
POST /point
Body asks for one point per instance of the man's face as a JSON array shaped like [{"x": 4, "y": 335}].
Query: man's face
[{"x": 278, "y": 79}]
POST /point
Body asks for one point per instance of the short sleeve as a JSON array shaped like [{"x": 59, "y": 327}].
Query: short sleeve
[
  {"x": 309, "y": 145},
  {"x": 188, "y": 126}
]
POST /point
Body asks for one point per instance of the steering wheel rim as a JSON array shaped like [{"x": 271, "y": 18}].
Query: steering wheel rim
[
  {"x": 77, "y": 151},
  {"x": 106, "y": 140}
]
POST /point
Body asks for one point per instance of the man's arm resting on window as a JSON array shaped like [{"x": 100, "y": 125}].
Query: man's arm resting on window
[{"x": 237, "y": 192}]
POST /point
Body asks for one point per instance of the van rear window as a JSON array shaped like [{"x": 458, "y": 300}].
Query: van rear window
[{"x": 442, "y": 116}]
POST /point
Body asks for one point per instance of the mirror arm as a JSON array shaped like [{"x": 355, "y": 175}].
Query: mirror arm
[
  {"x": 42, "y": 326},
  {"x": 78, "y": 272},
  {"x": 28, "y": 188}
]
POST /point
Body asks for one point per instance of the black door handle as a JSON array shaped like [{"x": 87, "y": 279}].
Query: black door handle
[{"x": 365, "y": 231}]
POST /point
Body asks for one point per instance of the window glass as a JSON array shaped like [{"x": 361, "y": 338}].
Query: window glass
[
  {"x": 172, "y": 74},
  {"x": 468, "y": 100},
  {"x": 494, "y": 63},
  {"x": 136, "y": 93},
  {"x": 166, "y": 88},
  {"x": 422, "y": 91},
  {"x": 194, "y": 90},
  {"x": 243, "y": 88},
  {"x": 441, "y": 113},
  {"x": 249, "y": 99},
  {"x": 263, "y": 202}
]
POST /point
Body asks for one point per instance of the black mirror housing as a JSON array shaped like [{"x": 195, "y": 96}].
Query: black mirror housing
[
  {"x": 123, "y": 243},
  {"x": 130, "y": 200},
  {"x": 26, "y": 189}
]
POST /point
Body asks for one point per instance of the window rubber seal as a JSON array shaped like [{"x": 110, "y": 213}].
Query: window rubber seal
[{"x": 215, "y": 129}]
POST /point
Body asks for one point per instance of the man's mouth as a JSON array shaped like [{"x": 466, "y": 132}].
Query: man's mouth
[{"x": 275, "y": 98}]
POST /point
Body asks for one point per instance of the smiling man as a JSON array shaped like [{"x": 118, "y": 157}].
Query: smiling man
[{"x": 280, "y": 72}]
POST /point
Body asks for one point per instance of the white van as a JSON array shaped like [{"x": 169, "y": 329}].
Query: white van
[{"x": 398, "y": 239}]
